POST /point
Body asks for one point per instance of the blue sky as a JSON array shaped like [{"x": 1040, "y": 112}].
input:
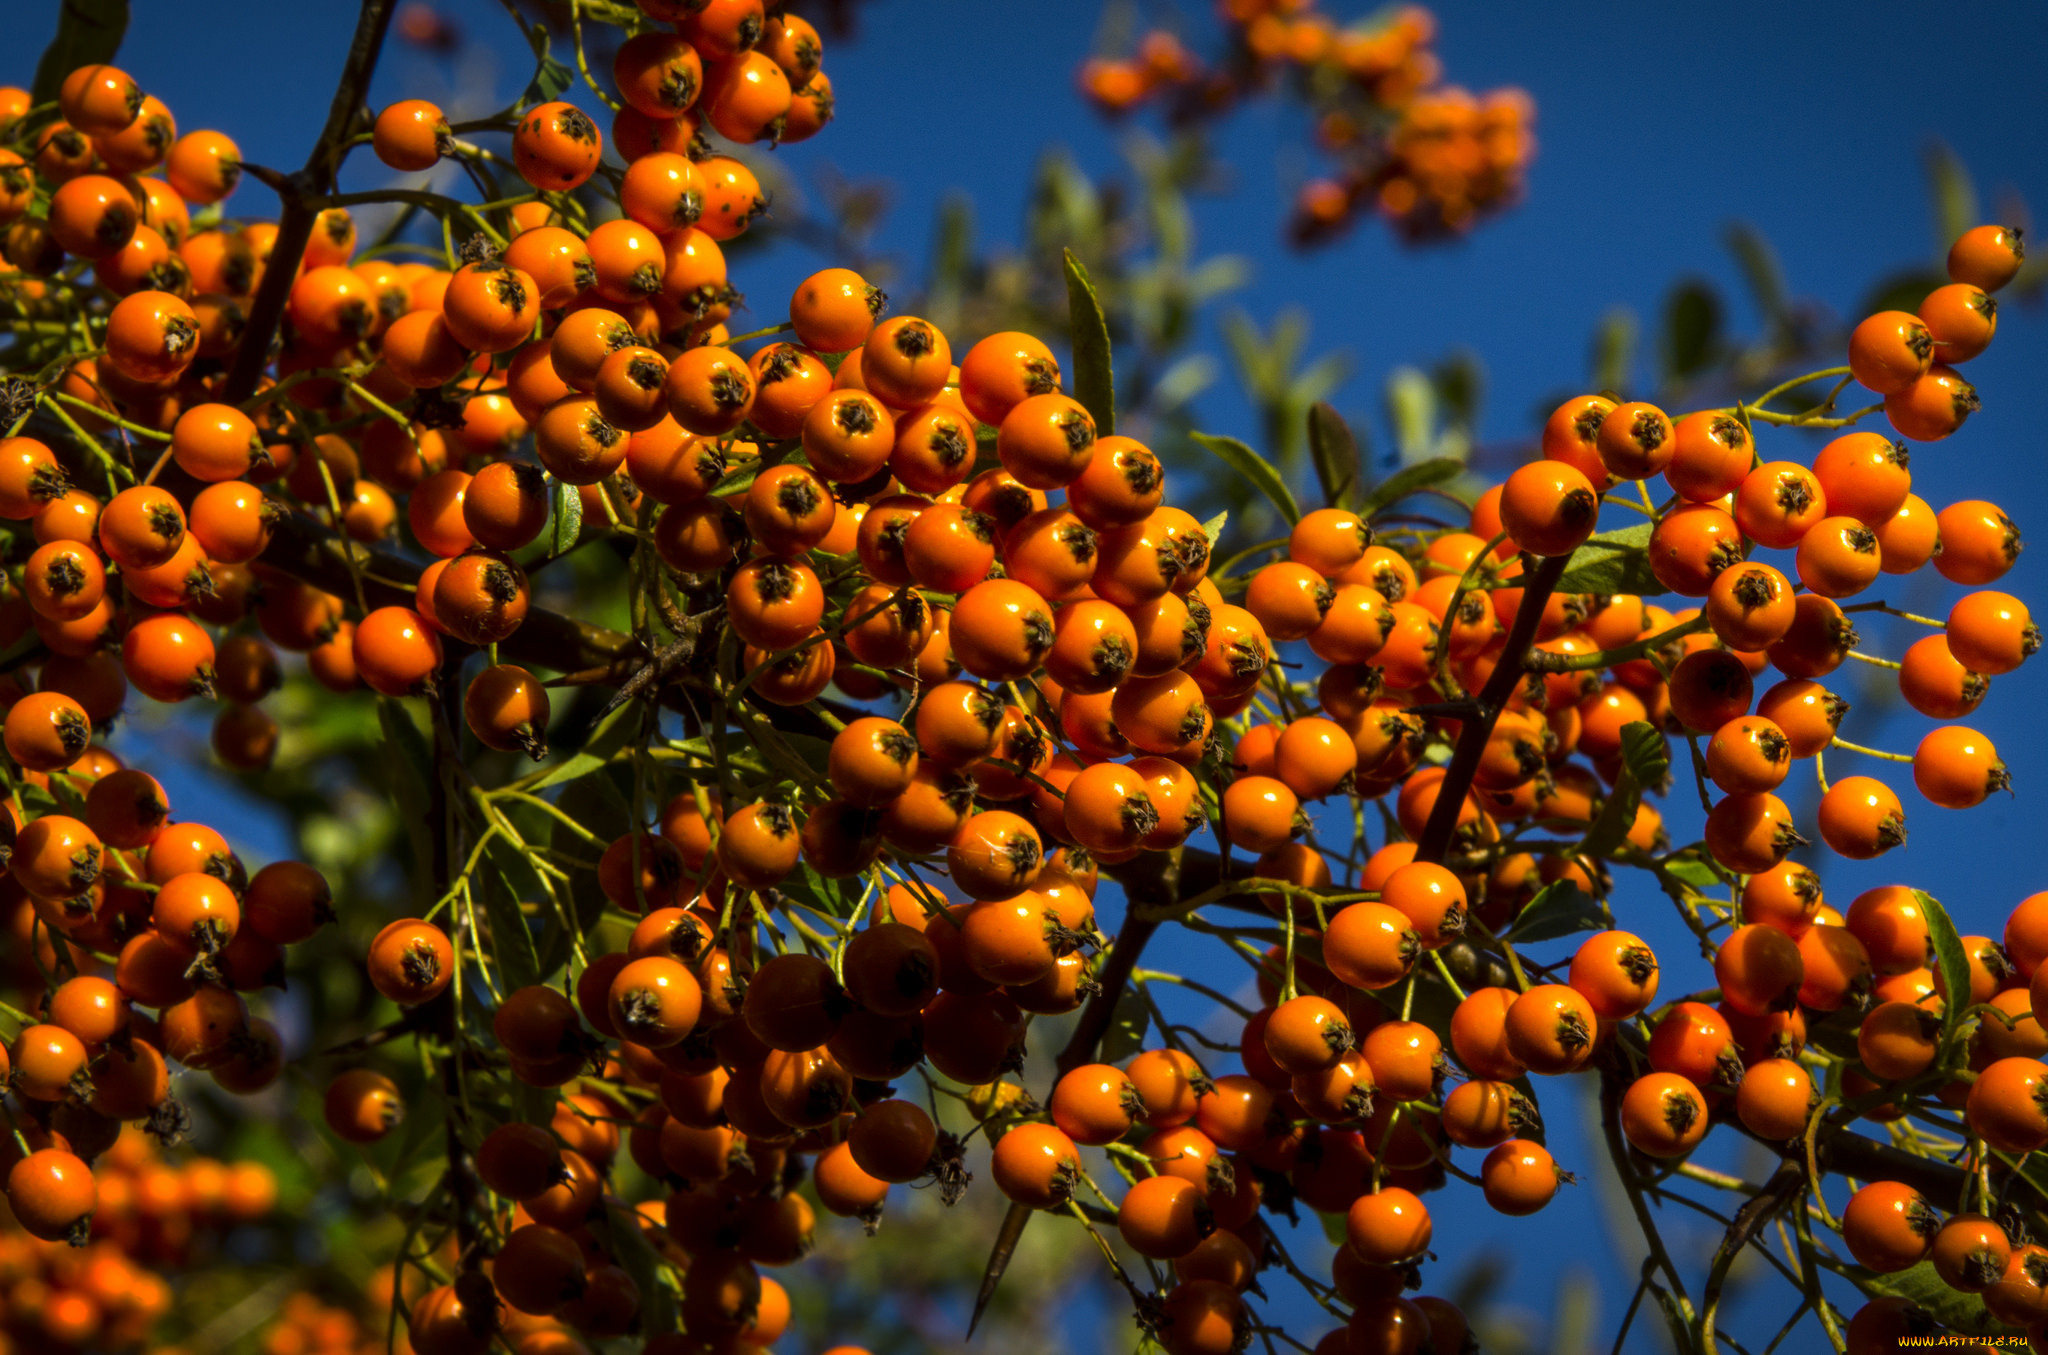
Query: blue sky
[{"x": 1658, "y": 125}]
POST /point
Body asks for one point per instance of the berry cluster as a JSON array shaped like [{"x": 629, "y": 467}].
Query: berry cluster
[
  {"x": 116, "y": 909},
  {"x": 916, "y": 657},
  {"x": 153, "y": 1220},
  {"x": 1431, "y": 159}
]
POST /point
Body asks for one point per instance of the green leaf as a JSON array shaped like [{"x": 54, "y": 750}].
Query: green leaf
[
  {"x": 532, "y": 1105},
  {"x": 1953, "y": 1310},
  {"x": 1213, "y": 528},
  {"x": 1693, "y": 871},
  {"x": 1251, "y": 466},
  {"x": 37, "y": 801},
  {"x": 952, "y": 268},
  {"x": 568, "y": 518},
  {"x": 412, "y": 778},
  {"x": 620, "y": 1229},
  {"x": 1409, "y": 479},
  {"x": 1692, "y": 329},
  {"x": 1613, "y": 562},
  {"x": 611, "y": 734},
  {"x": 1645, "y": 762},
  {"x": 1127, "y": 1025},
  {"x": 1617, "y": 815},
  {"x": 1955, "y": 197},
  {"x": 1460, "y": 384},
  {"x": 1760, "y": 269},
  {"x": 1949, "y": 960},
  {"x": 551, "y": 78},
  {"x": 1335, "y": 450},
  {"x": 1335, "y": 1227},
  {"x": 1559, "y": 909},
  {"x": 1614, "y": 349},
  {"x": 425, "y": 1119},
  {"x": 828, "y": 896},
  {"x": 89, "y": 33},
  {"x": 1903, "y": 291},
  {"x": 512, "y": 942},
  {"x": 1411, "y": 409},
  {"x": 1094, "y": 379},
  {"x": 736, "y": 482},
  {"x": 1645, "y": 753}
]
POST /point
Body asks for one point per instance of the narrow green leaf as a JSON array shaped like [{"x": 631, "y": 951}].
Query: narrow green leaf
[
  {"x": 1251, "y": 466},
  {"x": 636, "y": 1256},
  {"x": 953, "y": 249},
  {"x": 1693, "y": 871},
  {"x": 532, "y": 1105},
  {"x": 1952, "y": 1310},
  {"x": 71, "y": 797},
  {"x": 1955, "y": 196},
  {"x": 1614, "y": 349},
  {"x": 1412, "y": 410},
  {"x": 1213, "y": 528},
  {"x": 1460, "y": 384},
  {"x": 89, "y": 33},
  {"x": 1617, "y": 815},
  {"x": 1094, "y": 378},
  {"x": 1335, "y": 450},
  {"x": 1015, "y": 1220},
  {"x": 568, "y": 518},
  {"x": 1760, "y": 269},
  {"x": 828, "y": 896},
  {"x": 607, "y": 738},
  {"x": 512, "y": 943},
  {"x": 1127, "y": 1025},
  {"x": 411, "y": 769},
  {"x": 426, "y": 1117},
  {"x": 1613, "y": 562},
  {"x": 1692, "y": 329},
  {"x": 1949, "y": 960},
  {"x": 1409, "y": 479},
  {"x": 37, "y": 801},
  {"x": 551, "y": 78},
  {"x": 1645, "y": 753},
  {"x": 736, "y": 482},
  {"x": 1903, "y": 291},
  {"x": 1559, "y": 909}
]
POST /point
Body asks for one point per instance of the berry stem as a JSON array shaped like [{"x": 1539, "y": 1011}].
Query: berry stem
[
  {"x": 1890, "y": 610},
  {"x": 1757, "y": 405},
  {"x": 1869, "y": 752}
]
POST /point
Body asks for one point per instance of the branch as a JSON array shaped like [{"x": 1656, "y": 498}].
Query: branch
[
  {"x": 298, "y": 193},
  {"x": 444, "y": 826},
  {"x": 308, "y": 551},
  {"x": 1473, "y": 733},
  {"x": 1156, "y": 880},
  {"x": 1845, "y": 1153},
  {"x": 1632, "y": 1186},
  {"x": 1780, "y": 1190},
  {"x": 1548, "y": 661}
]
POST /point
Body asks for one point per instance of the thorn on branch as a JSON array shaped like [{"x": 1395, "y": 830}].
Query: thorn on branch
[{"x": 275, "y": 180}]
